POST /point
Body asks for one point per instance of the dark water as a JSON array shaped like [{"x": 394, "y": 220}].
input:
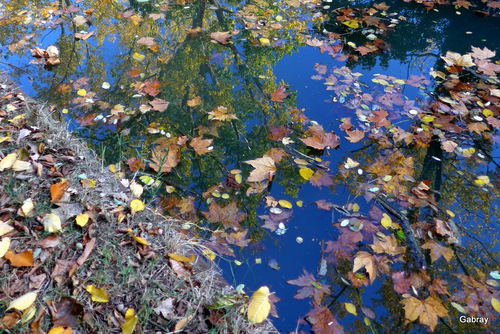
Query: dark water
[{"x": 239, "y": 75}]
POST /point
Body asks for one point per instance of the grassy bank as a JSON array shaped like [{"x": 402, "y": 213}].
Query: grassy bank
[{"x": 81, "y": 252}]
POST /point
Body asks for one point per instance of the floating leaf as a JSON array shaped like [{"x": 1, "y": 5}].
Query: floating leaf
[
  {"x": 98, "y": 295},
  {"x": 285, "y": 204},
  {"x": 496, "y": 304},
  {"x": 136, "y": 205},
  {"x": 130, "y": 322},
  {"x": 259, "y": 306},
  {"x": 138, "y": 57},
  {"x": 351, "y": 308},
  {"x": 23, "y": 302},
  {"x": 264, "y": 169},
  {"x": 458, "y": 307},
  {"x": 81, "y": 92},
  {"x": 386, "y": 220},
  {"x": 481, "y": 180},
  {"x": 306, "y": 173},
  {"x": 208, "y": 254},
  {"x": 351, "y": 24}
]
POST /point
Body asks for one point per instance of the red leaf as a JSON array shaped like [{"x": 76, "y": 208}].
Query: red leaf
[{"x": 279, "y": 94}]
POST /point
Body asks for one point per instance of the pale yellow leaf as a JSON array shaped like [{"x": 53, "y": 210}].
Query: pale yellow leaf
[
  {"x": 306, "y": 173},
  {"x": 481, "y": 180},
  {"x": 285, "y": 204},
  {"x": 82, "y": 219},
  {"x": 209, "y": 254},
  {"x": 181, "y": 323},
  {"x": 130, "y": 322},
  {"x": 98, "y": 295},
  {"x": 8, "y": 161},
  {"x": 138, "y": 56},
  {"x": 496, "y": 304},
  {"x": 28, "y": 205},
  {"x": 136, "y": 205},
  {"x": 136, "y": 189},
  {"x": 23, "y": 302},
  {"x": 5, "y": 228},
  {"x": 355, "y": 207},
  {"x": 351, "y": 308},
  {"x": 259, "y": 306},
  {"x": 4, "y": 246},
  {"x": 52, "y": 223},
  {"x": 28, "y": 314},
  {"x": 386, "y": 220}
]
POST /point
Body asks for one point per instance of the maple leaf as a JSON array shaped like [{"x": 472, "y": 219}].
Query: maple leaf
[
  {"x": 278, "y": 132},
  {"x": 319, "y": 139},
  {"x": 151, "y": 87},
  {"x": 279, "y": 94},
  {"x": 222, "y": 114},
  {"x": 195, "y": 101},
  {"x": 311, "y": 287},
  {"x": 487, "y": 67},
  {"x": 456, "y": 59},
  {"x": 163, "y": 161},
  {"x": 400, "y": 282},
  {"x": 355, "y": 136},
  {"x": 388, "y": 245},
  {"x": 437, "y": 251},
  {"x": 321, "y": 178},
  {"x": 147, "y": 41},
  {"x": 366, "y": 260},
  {"x": 201, "y": 146},
  {"x": 323, "y": 321},
  {"x": 264, "y": 169},
  {"x": 239, "y": 238},
  {"x": 427, "y": 311},
  {"x": 379, "y": 118},
  {"x": 484, "y": 53},
  {"x": 229, "y": 215}
]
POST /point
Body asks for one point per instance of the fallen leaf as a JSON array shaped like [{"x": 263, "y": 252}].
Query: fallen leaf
[
  {"x": 427, "y": 311},
  {"x": 8, "y": 161},
  {"x": 496, "y": 304},
  {"x": 51, "y": 223},
  {"x": 181, "y": 258},
  {"x": 181, "y": 323},
  {"x": 259, "y": 306},
  {"x": 4, "y": 246},
  {"x": 366, "y": 260},
  {"x": 136, "y": 205},
  {"x": 130, "y": 322},
  {"x": 23, "y": 302},
  {"x": 351, "y": 308},
  {"x": 82, "y": 219},
  {"x": 386, "y": 221},
  {"x": 279, "y": 94},
  {"x": 24, "y": 259},
  {"x": 165, "y": 308},
  {"x": 5, "y": 228},
  {"x": 264, "y": 169},
  {"x": 57, "y": 190},
  {"x": 27, "y": 207},
  {"x": 201, "y": 146},
  {"x": 140, "y": 240},
  {"x": 98, "y": 295},
  {"x": 60, "y": 330}
]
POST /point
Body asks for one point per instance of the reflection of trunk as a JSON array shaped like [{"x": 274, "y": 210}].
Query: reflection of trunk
[{"x": 433, "y": 167}]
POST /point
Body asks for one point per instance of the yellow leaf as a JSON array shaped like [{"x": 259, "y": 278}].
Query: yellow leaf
[
  {"x": 450, "y": 213},
  {"x": 355, "y": 207},
  {"x": 4, "y": 246},
  {"x": 386, "y": 220},
  {"x": 351, "y": 24},
  {"x": 238, "y": 178},
  {"x": 181, "y": 323},
  {"x": 299, "y": 203},
  {"x": 60, "y": 330},
  {"x": 428, "y": 119},
  {"x": 136, "y": 189},
  {"x": 8, "y": 161},
  {"x": 351, "y": 308},
  {"x": 52, "y": 223},
  {"x": 112, "y": 168},
  {"x": 138, "y": 56},
  {"x": 366, "y": 321},
  {"x": 285, "y": 204},
  {"x": 98, "y": 295},
  {"x": 81, "y": 92},
  {"x": 23, "y": 302},
  {"x": 487, "y": 112},
  {"x": 5, "y": 228},
  {"x": 28, "y": 205},
  {"x": 496, "y": 304},
  {"x": 306, "y": 173},
  {"x": 482, "y": 180},
  {"x": 65, "y": 111},
  {"x": 209, "y": 254},
  {"x": 82, "y": 219},
  {"x": 130, "y": 322},
  {"x": 28, "y": 314},
  {"x": 264, "y": 41},
  {"x": 136, "y": 205},
  {"x": 399, "y": 82},
  {"x": 136, "y": 238},
  {"x": 181, "y": 258},
  {"x": 259, "y": 306}
]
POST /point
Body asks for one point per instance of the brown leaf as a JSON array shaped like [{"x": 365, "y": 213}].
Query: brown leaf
[
  {"x": 84, "y": 37},
  {"x": 319, "y": 139},
  {"x": 24, "y": 259},
  {"x": 400, "y": 282},
  {"x": 159, "y": 104},
  {"x": 427, "y": 311},
  {"x": 67, "y": 312},
  {"x": 86, "y": 252},
  {"x": 179, "y": 269},
  {"x": 437, "y": 251},
  {"x": 165, "y": 161},
  {"x": 366, "y": 260},
  {"x": 279, "y": 94},
  {"x": 239, "y": 238},
  {"x": 221, "y": 36},
  {"x": 264, "y": 169},
  {"x": 222, "y": 114},
  {"x": 201, "y": 146},
  {"x": 322, "y": 321},
  {"x": 229, "y": 215},
  {"x": 57, "y": 190},
  {"x": 355, "y": 136}
]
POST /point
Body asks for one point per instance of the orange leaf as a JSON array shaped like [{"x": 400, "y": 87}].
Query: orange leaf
[
  {"x": 57, "y": 190},
  {"x": 427, "y": 311},
  {"x": 24, "y": 259}
]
